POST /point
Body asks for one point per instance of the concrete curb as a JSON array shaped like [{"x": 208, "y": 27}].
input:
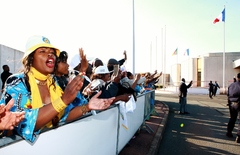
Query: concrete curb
[{"x": 158, "y": 137}]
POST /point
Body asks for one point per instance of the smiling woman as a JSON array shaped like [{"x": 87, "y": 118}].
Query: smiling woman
[{"x": 36, "y": 92}]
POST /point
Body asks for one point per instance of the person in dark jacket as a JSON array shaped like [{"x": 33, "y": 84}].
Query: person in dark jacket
[
  {"x": 5, "y": 74},
  {"x": 234, "y": 108},
  {"x": 183, "y": 96},
  {"x": 112, "y": 62},
  {"x": 210, "y": 89},
  {"x": 215, "y": 88}
]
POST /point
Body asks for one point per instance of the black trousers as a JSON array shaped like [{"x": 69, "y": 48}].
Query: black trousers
[
  {"x": 234, "y": 114},
  {"x": 210, "y": 93}
]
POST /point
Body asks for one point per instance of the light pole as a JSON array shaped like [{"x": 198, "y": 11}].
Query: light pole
[{"x": 133, "y": 38}]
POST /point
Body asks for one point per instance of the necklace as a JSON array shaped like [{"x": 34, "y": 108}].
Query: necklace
[{"x": 42, "y": 83}]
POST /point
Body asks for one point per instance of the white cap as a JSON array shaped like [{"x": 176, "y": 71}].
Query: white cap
[
  {"x": 76, "y": 60},
  {"x": 101, "y": 70}
]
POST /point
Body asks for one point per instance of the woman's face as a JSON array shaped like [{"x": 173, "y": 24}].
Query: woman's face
[
  {"x": 44, "y": 60},
  {"x": 106, "y": 77},
  {"x": 131, "y": 77},
  {"x": 62, "y": 68}
]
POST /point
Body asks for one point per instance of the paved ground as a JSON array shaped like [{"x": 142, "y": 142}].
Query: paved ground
[{"x": 145, "y": 143}]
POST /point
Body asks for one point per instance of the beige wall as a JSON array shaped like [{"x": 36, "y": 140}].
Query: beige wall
[{"x": 212, "y": 69}]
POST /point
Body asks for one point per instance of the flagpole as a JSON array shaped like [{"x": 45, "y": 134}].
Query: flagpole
[
  {"x": 177, "y": 55},
  {"x": 156, "y": 54},
  {"x": 188, "y": 67},
  {"x": 150, "y": 56},
  {"x": 224, "y": 90},
  {"x": 133, "y": 38},
  {"x": 164, "y": 70},
  {"x": 162, "y": 58}
]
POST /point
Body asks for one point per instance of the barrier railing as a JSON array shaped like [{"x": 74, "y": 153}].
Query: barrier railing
[
  {"x": 93, "y": 134},
  {"x": 148, "y": 109}
]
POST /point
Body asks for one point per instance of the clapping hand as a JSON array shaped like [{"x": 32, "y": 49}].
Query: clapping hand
[
  {"x": 96, "y": 103},
  {"x": 8, "y": 119}
]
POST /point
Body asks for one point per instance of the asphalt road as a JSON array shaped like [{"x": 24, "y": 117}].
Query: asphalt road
[{"x": 202, "y": 132}]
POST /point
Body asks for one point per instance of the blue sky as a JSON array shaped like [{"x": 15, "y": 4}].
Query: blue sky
[{"x": 104, "y": 28}]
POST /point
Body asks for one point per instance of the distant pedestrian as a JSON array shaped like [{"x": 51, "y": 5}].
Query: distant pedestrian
[
  {"x": 234, "y": 108},
  {"x": 210, "y": 89},
  {"x": 5, "y": 74},
  {"x": 215, "y": 88},
  {"x": 183, "y": 96}
]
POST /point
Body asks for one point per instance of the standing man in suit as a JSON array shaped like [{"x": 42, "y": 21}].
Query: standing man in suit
[{"x": 183, "y": 96}]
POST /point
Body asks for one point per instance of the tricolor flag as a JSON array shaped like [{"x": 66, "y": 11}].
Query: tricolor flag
[
  {"x": 186, "y": 52},
  {"x": 175, "y": 52},
  {"x": 221, "y": 17}
]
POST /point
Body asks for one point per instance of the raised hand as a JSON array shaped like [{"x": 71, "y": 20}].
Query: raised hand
[
  {"x": 138, "y": 76},
  {"x": 160, "y": 74},
  {"x": 125, "y": 54},
  {"x": 84, "y": 62},
  {"x": 72, "y": 89}
]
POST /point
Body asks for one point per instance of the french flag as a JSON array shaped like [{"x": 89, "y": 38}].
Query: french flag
[{"x": 221, "y": 17}]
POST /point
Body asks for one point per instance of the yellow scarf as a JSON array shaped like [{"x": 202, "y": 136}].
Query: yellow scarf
[{"x": 36, "y": 97}]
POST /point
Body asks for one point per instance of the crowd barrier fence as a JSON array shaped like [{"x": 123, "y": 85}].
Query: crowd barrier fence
[{"x": 93, "y": 134}]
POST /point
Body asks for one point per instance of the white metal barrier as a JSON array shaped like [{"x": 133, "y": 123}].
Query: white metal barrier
[{"x": 99, "y": 134}]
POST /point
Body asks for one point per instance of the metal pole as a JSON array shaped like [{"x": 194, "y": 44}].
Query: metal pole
[
  {"x": 150, "y": 56},
  {"x": 224, "y": 90},
  {"x": 162, "y": 60},
  {"x": 133, "y": 39},
  {"x": 156, "y": 54},
  {"x": 164, "y": 68}
]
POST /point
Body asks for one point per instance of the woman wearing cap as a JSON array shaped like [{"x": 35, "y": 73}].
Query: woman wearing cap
[
  {"x": 108, "y": 87},
  {"x": 35, "y": 91},
  {"x": 101, "y": 75}
]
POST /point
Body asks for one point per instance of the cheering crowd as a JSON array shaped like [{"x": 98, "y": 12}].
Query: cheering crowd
[{"x": 46, "y": 93}]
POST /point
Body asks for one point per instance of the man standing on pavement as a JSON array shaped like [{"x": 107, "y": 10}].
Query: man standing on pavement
[
  {"x": 215, "y": 88},
  {"x": 234, "y": 107},
  {"x": 183, "y": 96},
  {"x": 210, "y": 89}
]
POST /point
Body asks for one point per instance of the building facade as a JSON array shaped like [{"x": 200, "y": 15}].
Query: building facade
[{"x": 206, "y": 68}]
